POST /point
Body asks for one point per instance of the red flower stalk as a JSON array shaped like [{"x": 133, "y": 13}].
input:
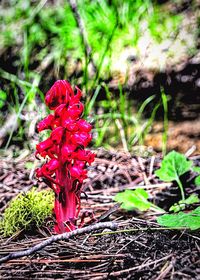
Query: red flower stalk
[{"x": 65, "y": 152}]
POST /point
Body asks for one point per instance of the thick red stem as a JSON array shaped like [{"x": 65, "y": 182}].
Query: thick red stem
[
  {"x": 65, "y": 203},
  {"x": 65, "y": 210}
]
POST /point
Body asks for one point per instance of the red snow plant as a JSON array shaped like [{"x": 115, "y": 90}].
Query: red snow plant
[{"x": 66, "y": 157}]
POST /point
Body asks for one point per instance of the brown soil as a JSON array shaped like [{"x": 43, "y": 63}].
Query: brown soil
[
  {"x": 146, "y": 252},
  {"x": 181, "y": 136}
]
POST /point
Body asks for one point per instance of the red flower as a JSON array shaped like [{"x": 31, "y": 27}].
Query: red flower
[
  {"x": 78, "y": 173},
  {"x": 84, "y": 156},
  {"x": 46, "y": 123},
  {"x": 57, "y": 134},
  {"x": 59, "y": 93},
  {"x": 84, "y": 126},
  {"x": 65, "y": 169},
  {"x": 67, "y": 153},
  {"x": 81, "y": 138},
  {"x": 70, "y": 125},
  {"x": 43, "y": 146}
]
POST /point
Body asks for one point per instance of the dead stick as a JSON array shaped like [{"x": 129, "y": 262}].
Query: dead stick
[
  {"x": 58, "y": 237},
  {"x": 109, "y": 212}
]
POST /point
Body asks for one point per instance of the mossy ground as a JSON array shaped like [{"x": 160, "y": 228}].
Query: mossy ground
[{"x": 26, "y": 211}]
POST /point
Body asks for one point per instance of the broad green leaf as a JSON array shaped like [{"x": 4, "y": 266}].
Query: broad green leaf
[
  {"x": 197, "y": 181},
  {"x": 184, "y": 220},
  {"x": 173, "y": 166},
  {"x": 193, "y": 198},
  {"x": 136, "y": 199}
]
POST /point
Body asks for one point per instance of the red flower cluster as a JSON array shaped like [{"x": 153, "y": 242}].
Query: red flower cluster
[{"x": 65, "y": 170}]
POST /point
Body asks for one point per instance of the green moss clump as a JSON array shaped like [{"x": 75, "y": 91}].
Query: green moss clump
[{"x": 26, "y": 211}]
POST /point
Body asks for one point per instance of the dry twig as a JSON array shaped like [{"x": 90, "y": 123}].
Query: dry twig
[{"x": 58, "y": 237}]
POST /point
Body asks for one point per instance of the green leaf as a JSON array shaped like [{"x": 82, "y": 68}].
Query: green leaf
[
  {"x": 184, "y": 220},
  {"x": 2, "y": 98},
  {"x": 173, "y": 166},
  {"x": 136, "y": 199},
  {"x": 193, "y": 198},
  {"x": 197, "y": 181},
  {"x": 196, "y": 169}
]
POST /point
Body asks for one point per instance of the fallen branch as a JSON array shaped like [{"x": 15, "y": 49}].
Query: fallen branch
[
  {"x": 58, "y": 237},
  {"x": 109, "y": 212}
]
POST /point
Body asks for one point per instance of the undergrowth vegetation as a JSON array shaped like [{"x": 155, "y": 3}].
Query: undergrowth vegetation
[
  {"x": 118, "y": 124},
  {"x": 52, "y": 33},
  {"x": 173, "y": 166},
  {"x": 47, "y": 45}
]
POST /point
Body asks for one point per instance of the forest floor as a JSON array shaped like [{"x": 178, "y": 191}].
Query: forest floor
[{"x": 139, "y": 249}]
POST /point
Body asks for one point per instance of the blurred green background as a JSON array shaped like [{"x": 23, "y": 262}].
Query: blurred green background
[{"x": 131, "y": 59}]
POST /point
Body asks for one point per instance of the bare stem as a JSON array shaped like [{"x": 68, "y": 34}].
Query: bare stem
[{"x": 181, "y": 188}]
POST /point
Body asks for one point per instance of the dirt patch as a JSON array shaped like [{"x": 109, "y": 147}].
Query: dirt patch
[{"x": 181, "y": 136}]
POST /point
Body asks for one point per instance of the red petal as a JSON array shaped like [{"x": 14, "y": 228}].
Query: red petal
[
  {"x": 57, "y": 134},
  {"x": 45, "y": 123},
  {"x": 67, "y": 152},
  {"x": 44, "y": 145},
  {"x": 84, "y": 126},
  {"x": 60, "y": 93},
  {"x": 70, "y": 125},
  {"x": 81, "y": 138},
  {"x": 85, "y": 156},
  {"x": 74, "y": 111}
]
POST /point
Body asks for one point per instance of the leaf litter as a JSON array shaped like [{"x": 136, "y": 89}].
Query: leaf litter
[{"x": 139, "y": 250}]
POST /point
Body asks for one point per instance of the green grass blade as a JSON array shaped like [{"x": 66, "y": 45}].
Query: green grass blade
[
  {"x": 165, "y": 121},
  {"x": 33, "y": 88},
  {"x": 90, "y": 103}
]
